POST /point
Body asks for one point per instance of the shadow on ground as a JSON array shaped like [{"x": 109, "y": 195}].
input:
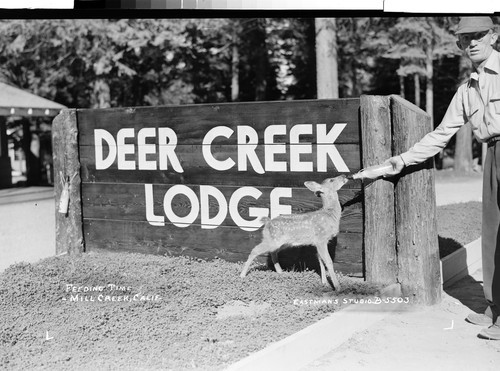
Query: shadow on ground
[
  {"x": 447, "y": 246},
  {"x": 302, "y": 258},
  {"x": 469, "y": 292}
]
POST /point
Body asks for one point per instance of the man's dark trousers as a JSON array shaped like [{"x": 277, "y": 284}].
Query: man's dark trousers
[{"x": 491, "y": 228}]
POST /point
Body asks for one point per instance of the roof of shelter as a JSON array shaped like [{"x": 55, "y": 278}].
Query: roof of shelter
[{"x": 17, "y": 102}]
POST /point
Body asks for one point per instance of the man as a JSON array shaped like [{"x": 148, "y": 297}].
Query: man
[{"x": 476, "y": 101}]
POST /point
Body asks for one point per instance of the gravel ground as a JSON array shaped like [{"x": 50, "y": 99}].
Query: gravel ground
[
  {"x": 167, "y": 313},
  {"x": 179, "y": 314},
  {"x": 454, "y": 187},
  {"x": 458, "y": 225},
  {"x": 434, "y": 338}
]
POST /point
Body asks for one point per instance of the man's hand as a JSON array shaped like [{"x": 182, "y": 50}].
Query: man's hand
[{"x": 397, "y": 166}]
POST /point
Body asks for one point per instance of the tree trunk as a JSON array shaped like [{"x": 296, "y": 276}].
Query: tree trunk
[
  {"x": 463, "y": 143},
  {"x": 235, "y": 72},
  {"x": 261, "y": 62},
  {"x": 326, "y": 58},
  {"x": 354, "y": 61},
  {"x": 429, "y": 91},
  {"x": 402, "y": 86},
  {"x": 417, "y": 89}
]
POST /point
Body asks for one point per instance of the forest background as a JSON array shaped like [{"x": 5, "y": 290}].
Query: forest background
[{"x": 100, "y": 63}]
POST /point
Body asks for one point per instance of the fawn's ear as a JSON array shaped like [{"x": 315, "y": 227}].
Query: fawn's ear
[{"x": 313, "y": 186}]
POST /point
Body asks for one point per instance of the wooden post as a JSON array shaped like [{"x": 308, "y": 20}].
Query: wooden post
[
  {"x": 415, "y": 201},
  {"x": 69, "y": 227},
  {"x": 379, "y": 236}
]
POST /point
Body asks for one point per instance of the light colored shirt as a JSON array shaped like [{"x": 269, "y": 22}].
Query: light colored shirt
[{"x": 476, "y": 101}]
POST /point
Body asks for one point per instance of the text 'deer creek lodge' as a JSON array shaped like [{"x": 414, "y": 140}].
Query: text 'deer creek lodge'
[{"x": 154, "y": 149}]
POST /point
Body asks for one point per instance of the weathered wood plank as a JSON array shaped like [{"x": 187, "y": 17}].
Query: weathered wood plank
[
  {"x": 209, "y": 178},
  {"x": 225, "y": 242},
  {"x": 196, "y": 170},
  {"x": 380, "y": 237},
  {"x": 192, "y": 122},
  {"x": 416, "y": 225},
  {"x": 128, "y": 202},
  {"x": 69, "y": 233}
]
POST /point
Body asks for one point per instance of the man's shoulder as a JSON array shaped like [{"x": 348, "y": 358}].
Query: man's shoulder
[
  {"x": 463, "y": 89},
  {"x": 464, "y": 84}
]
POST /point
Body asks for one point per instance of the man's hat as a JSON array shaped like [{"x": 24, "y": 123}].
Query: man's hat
[{"x": 474, "y": 24}]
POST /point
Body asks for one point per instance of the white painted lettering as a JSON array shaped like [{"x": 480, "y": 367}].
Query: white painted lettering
[
  {"x": 255, "y": 212},
  {"x": 272, "y": 148},
  {"x": 181, "y": 221},
  {"x": 329, "y": 150},
  {"x": 205, "y": 193},
  {"x": 277, "y": 208},
  {"x": 218, "y": 131},
  {"x": 297, "y": 148},
  {"x": 248, "y": 140},
  {"x": 101, "y": 136},
  {"x": 167, "y": 141},
  {"x": 143, "y": 149},
  {"x": 125, "y": 149},
  {"x": 150, "y": 215}
]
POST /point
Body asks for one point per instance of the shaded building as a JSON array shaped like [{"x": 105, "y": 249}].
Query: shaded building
[{"x": 22, "y": 147}]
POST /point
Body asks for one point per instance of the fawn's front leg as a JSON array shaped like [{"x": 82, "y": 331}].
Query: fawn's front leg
[
  {"x": 327, "y": 260},
  {"x": 324, "y": 281}
]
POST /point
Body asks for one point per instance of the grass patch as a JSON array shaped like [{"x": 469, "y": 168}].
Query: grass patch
[{"x": 458, "y": 225}]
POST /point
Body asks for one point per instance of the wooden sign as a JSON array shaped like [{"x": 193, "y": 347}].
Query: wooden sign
[{"x": 196, "y": 179}]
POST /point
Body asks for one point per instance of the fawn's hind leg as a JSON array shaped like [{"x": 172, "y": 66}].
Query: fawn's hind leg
[
  {"x": 274, "y": 258},
  {"x": 256, "y": 251},
  {"x": 327, "y": 260}
]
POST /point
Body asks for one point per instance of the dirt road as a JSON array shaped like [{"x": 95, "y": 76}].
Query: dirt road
[
  {"x": 429, "y": 338},
  {"x": 27, "y": 225}
]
